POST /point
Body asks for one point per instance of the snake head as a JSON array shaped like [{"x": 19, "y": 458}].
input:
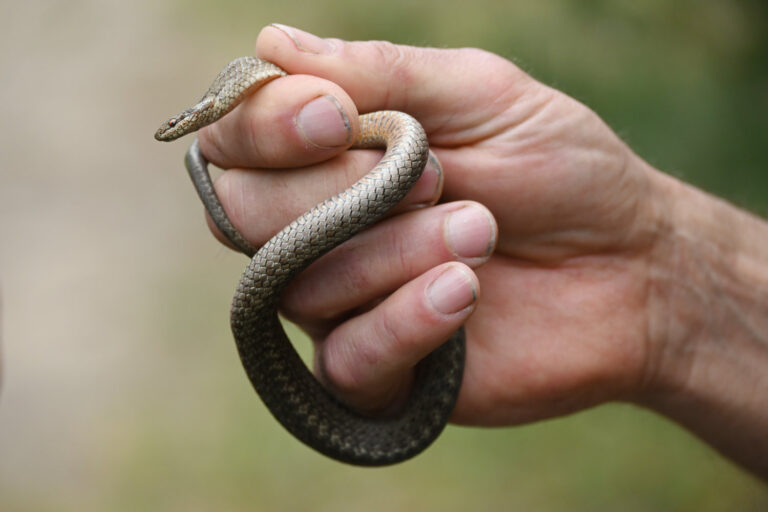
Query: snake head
[{"x": 188, "y": 121}]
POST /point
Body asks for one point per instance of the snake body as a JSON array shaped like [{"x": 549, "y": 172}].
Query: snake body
[{"x": 292, "y": 394}]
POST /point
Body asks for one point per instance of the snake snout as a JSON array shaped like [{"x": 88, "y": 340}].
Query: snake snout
[{"x": 170, "y": 130}]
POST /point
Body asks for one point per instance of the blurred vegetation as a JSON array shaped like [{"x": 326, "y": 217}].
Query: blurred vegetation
[{"x": 685, "y": 83}]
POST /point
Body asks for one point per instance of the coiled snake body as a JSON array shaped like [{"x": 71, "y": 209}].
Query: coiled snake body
[{"x": 286, "y": 386}]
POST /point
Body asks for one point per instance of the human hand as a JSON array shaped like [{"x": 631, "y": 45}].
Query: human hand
[
  {"x": 599, "y": 288},
  {"x": 561, "y": 323}
]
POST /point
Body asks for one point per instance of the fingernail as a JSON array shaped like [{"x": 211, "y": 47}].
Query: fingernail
[
  {"x": 305, "y": 41},
  {"x": 323, "y": 123},
  {"x": 452, "y": 291},
  {"x": 429, "y": 188},
  {"x": 470, "y": 232}
]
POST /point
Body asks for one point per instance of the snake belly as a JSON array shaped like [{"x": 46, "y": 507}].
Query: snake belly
[{"x": 290, "y": 391}]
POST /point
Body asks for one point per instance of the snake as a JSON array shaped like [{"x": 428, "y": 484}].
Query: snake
[{"x": 293, "y": 395}]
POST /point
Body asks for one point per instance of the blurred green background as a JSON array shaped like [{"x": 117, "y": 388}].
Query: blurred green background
[{"x": 121, "y": 389}]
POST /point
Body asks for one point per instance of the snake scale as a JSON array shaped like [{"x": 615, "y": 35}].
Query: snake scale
[{"x": 290, "y": 391}]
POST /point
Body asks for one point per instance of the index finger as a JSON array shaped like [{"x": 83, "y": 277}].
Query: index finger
[{"x": 448, "y": 90}]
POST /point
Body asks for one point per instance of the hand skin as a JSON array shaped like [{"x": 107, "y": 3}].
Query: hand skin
[{"x": 609, "y": 280}]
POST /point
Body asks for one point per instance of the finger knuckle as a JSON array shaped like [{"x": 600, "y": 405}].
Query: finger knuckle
[
  {"x": 213, "y": 145},
  {"x": 230, "y": 199},
  {"x": 395, "y": 61},
  {"x": 254, "y": 137},
  {"x": 391, "y": 56},
  {"x": 345, "y": 363}
]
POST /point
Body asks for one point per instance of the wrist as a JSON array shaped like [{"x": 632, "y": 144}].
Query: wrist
[
  {"x": 708, "y": 283},
  {"x": 707, "y": 361}
]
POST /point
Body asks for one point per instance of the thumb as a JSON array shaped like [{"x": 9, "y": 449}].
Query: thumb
[{"x": 448, "y": 90}]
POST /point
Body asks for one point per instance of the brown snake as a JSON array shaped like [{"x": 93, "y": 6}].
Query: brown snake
[{"x": 286, "y": 386}]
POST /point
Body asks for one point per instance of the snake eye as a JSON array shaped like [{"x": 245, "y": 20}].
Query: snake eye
[{"x": 172, "y": 122}]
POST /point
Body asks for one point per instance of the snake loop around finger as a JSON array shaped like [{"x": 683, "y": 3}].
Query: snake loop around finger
[{"x": 290, "y": 391}]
